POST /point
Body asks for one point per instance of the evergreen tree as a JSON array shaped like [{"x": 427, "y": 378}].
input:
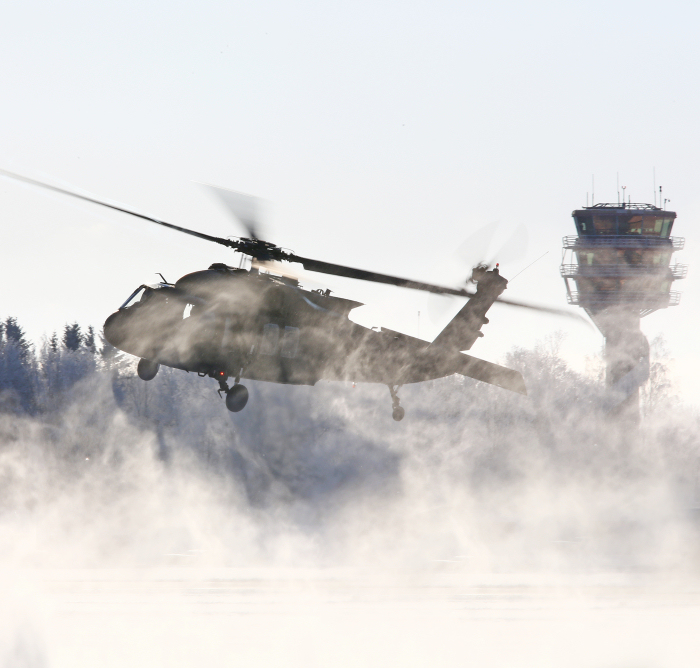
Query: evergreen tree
[
  {"x": 72, "y": 337},
  {"x": 89, "y": 340},
  {"x": 49, "y": 382},
  {"x": 17, "y": 381},
  {"x": 15, "y": 334}
]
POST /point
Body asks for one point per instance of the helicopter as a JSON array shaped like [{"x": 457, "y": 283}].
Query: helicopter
[{"x": 258, "y": 323}]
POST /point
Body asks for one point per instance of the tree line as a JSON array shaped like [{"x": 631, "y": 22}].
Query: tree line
[{"x": 33, "y": 378}]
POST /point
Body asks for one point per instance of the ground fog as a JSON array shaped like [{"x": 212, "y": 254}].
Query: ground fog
[{"x": 317, "y": 497}]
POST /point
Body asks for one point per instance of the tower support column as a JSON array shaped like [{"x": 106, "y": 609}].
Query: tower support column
[{"x": 626, "y": 363}]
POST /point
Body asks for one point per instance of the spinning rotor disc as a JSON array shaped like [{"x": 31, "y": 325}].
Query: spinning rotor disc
[{"x": 244, "y": 208}]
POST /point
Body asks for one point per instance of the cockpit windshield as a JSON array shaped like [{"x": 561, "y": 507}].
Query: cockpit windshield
[
  {"x": 135, "y": 297},
  {"x": 144, "y": 293}
]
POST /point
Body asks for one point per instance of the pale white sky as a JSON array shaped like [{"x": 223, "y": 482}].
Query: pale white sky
[{"x": 383, "y": 136}]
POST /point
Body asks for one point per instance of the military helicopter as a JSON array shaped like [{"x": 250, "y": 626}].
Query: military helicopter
[{"x": 259, "y": 323}]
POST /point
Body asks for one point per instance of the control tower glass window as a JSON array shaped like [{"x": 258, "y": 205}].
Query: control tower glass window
[
  {"x": 595, "y": 224},
  {"x": 624, "y": 223},
  {"x": 603, "y": 224},
  {"x": 584, "y": 224},
  {"x": 652, "y": 225},
  {"x": 666, "y": 224},
  {"x": 630, "y": 224}
]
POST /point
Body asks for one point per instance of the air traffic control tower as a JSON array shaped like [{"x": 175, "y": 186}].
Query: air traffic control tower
[{"x": 620, "y": 264}]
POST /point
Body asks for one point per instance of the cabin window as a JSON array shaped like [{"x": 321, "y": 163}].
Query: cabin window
[
  {"x": 290, "y": 342},
  {"x": 188, "y": 311},
  {"x": 270, "y": 339}
]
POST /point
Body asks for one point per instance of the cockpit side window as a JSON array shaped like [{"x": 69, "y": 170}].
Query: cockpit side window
[{"x": 135, "y": 297}]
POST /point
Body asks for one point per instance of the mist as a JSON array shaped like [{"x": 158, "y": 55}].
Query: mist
[{"x": 144, "y": 524}]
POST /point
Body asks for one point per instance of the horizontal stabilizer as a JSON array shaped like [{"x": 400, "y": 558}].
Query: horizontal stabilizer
[{"x": 488, "y": 372}]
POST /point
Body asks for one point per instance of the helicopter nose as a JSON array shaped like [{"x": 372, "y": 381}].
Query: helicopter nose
[{"x": 115, "y": 330}]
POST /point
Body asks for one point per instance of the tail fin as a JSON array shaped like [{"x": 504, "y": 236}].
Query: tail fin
[{"x": 465, "y": 328}]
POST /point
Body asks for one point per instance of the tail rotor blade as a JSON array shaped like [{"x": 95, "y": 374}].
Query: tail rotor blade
[
  {"x": 513, "y": 249},
  {"x": 474, "y": 249},
  {"x": 455, "y": 270}
]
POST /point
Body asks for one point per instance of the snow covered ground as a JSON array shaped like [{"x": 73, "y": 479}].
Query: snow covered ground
[{"x": 439, "y": 616}]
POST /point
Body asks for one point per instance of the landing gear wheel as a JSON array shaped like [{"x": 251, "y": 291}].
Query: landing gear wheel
[
  {"x": 237, "y": 398},
  {"x": 398, "y": 413},
  {"x": 147, "y": 370}
]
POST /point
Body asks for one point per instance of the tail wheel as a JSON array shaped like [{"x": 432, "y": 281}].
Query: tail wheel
[
  {"x": 237, "y": 398},
  {"x": 398, "y": 413},
  {"x": 147, "y": 370}
]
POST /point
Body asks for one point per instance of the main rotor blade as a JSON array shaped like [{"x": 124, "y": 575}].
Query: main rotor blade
[
  {"x": 372, "y": 276},
  {"x": 553, "y": 310},
  {"x": 264, "y": 251},
  {"x": 200, "y": 235},
  {"x": 245, "y": 208}
]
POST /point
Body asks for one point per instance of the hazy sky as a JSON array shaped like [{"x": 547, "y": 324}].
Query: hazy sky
[{"x": 382, "y": 135}]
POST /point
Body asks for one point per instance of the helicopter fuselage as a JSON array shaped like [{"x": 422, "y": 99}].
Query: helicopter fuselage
[{"x": 225, "y": 322}]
